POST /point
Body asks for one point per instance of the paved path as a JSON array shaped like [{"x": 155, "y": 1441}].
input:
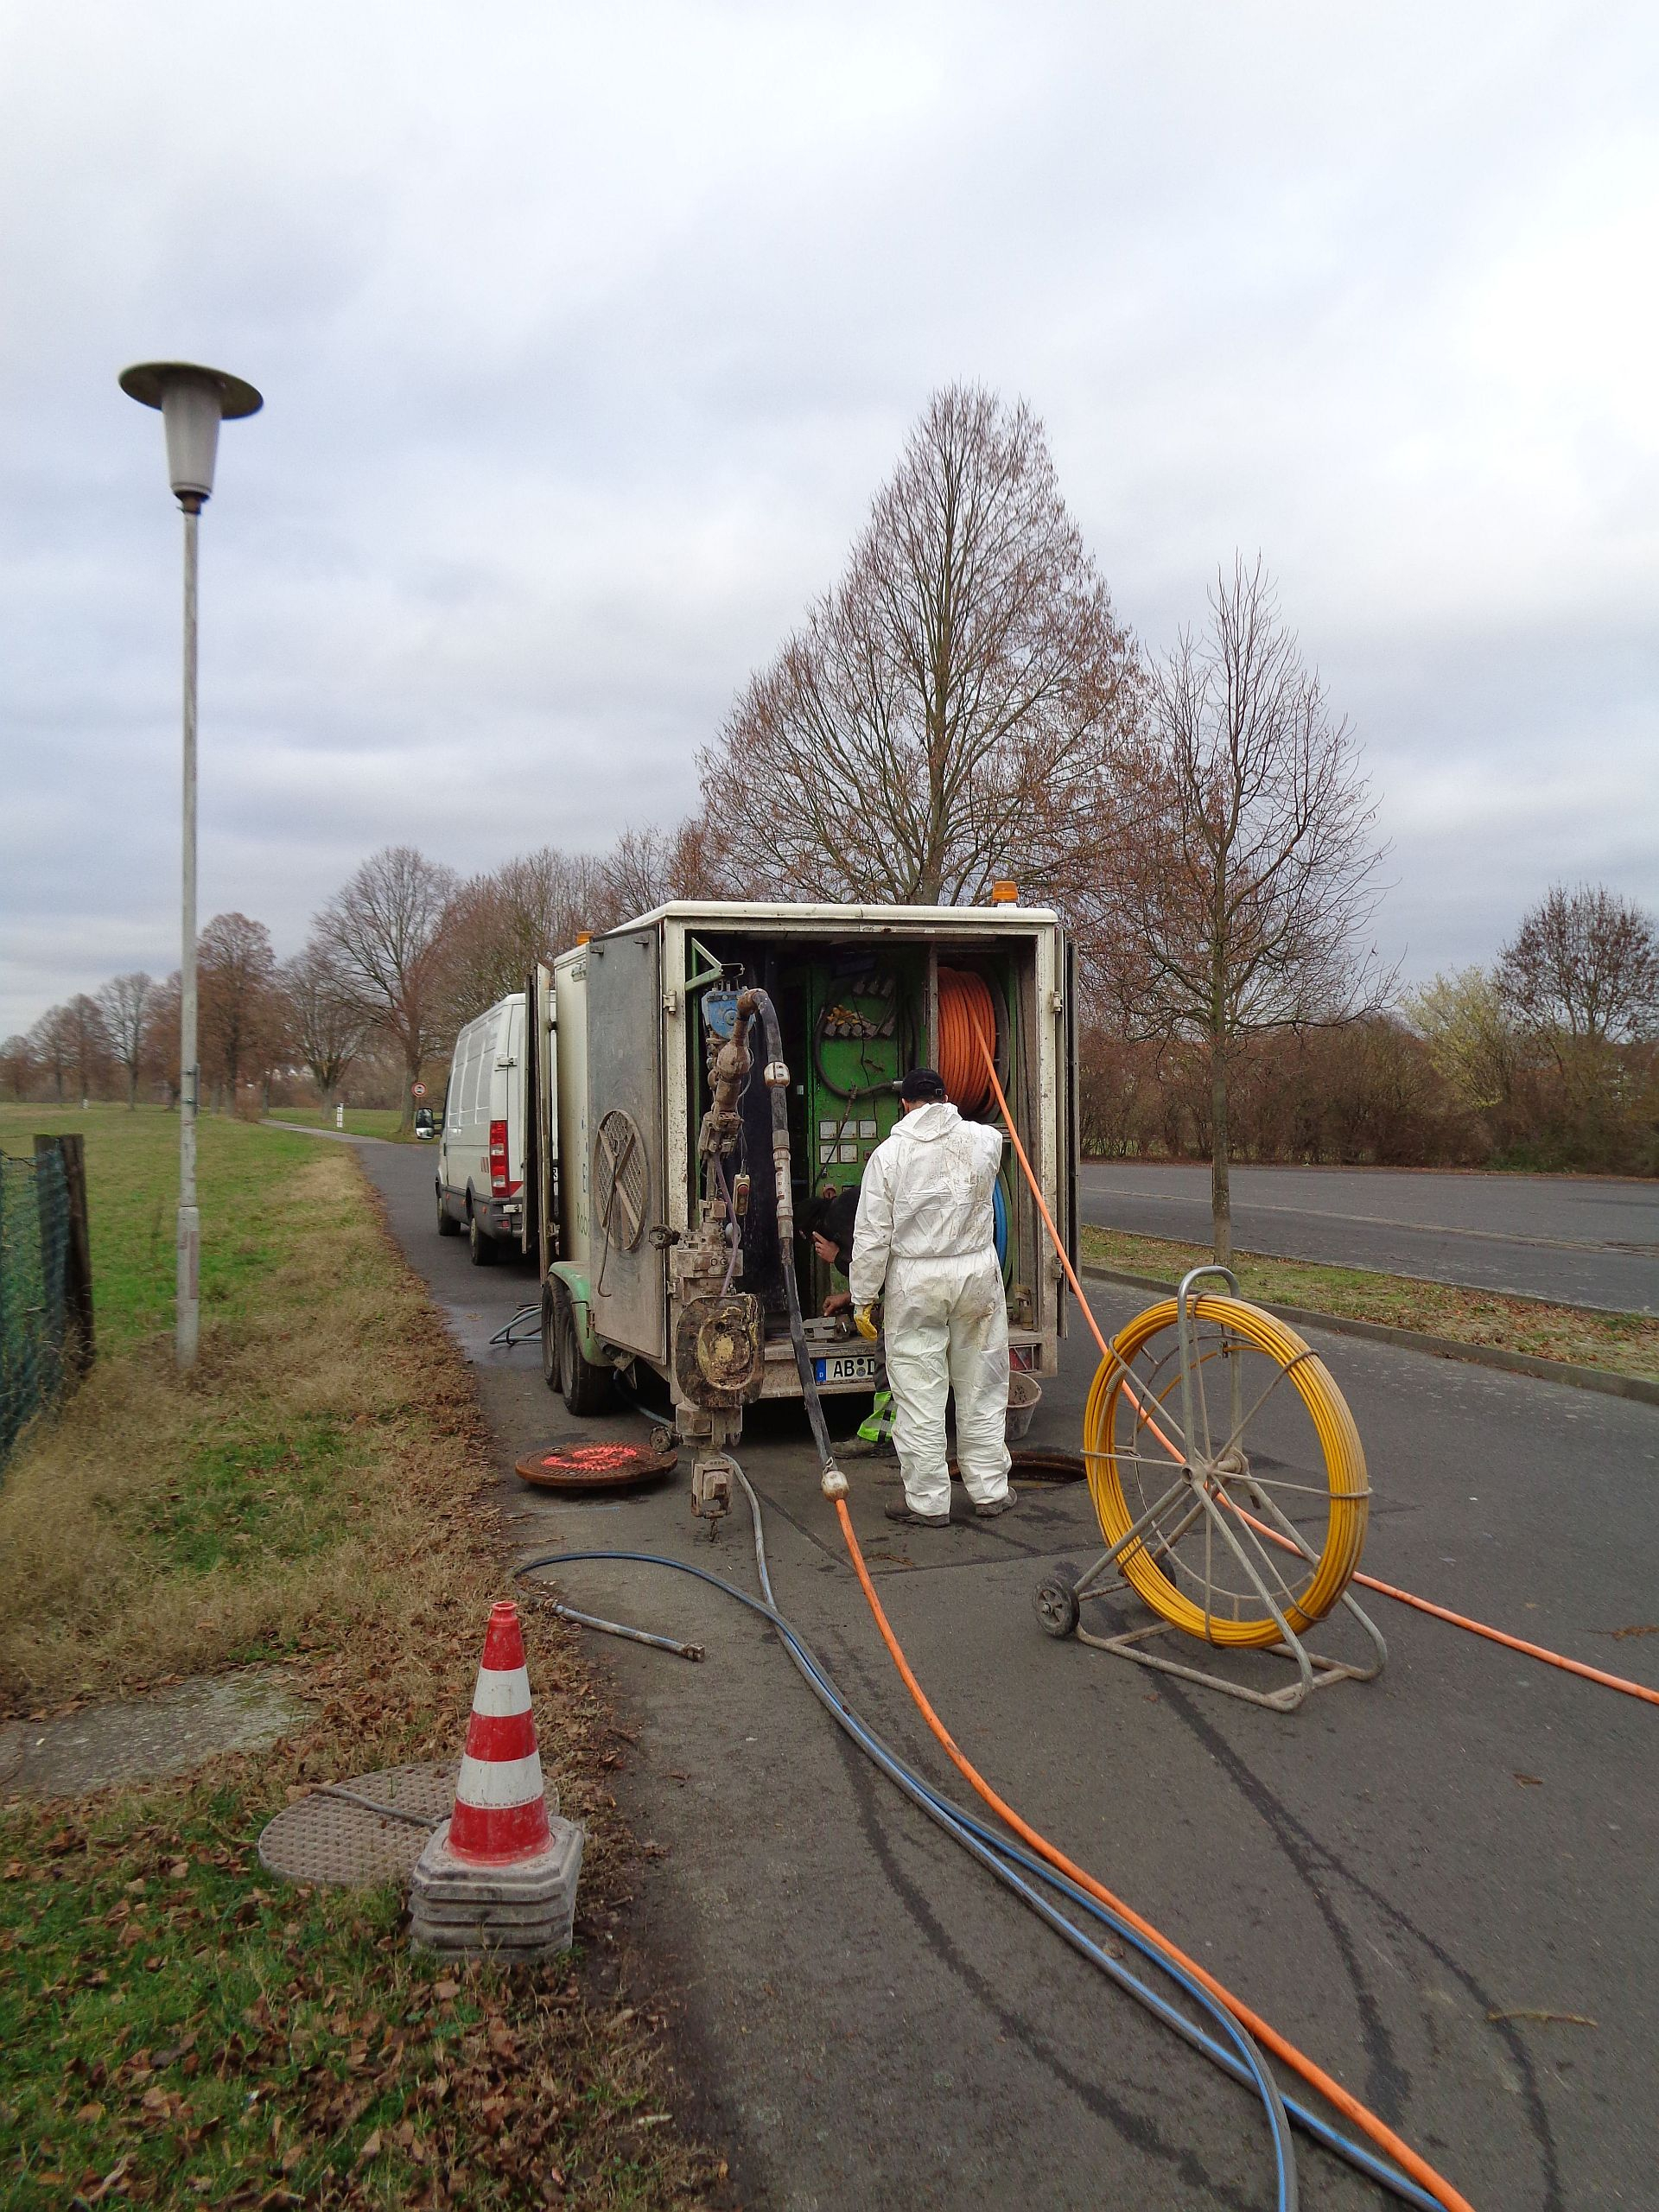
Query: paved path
[
  {"x": 311, "y": 1129},
  {"x": 1576, "y": 1238},
  {"x": 868, "y": 2022}
]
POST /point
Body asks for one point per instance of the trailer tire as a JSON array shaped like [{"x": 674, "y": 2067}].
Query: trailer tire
[
  {"x": 448, "y": 1225},
  {"x": 585, "y": 1387}
]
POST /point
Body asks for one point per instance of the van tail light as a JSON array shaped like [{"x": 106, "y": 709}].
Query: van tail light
[{"x": 498, "y": 1160}]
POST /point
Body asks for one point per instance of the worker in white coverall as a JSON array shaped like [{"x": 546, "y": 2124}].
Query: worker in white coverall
[{"x": 925, "y": 1235}]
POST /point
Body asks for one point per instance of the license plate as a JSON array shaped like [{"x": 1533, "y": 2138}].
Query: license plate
[{"x": 848, "y": 1367}]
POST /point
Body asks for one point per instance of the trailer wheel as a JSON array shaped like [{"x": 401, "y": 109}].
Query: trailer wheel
[
  {"x": 585, "y": 1387},
  {"x": 448, "y": 1225},
  {"x": 480, "y": 1248}
]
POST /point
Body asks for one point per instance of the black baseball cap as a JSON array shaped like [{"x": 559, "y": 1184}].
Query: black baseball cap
[{"x": 923, "y": 1086}]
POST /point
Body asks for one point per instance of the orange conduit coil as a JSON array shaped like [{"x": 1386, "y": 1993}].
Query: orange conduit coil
[{"x": 967, "y": 1011}]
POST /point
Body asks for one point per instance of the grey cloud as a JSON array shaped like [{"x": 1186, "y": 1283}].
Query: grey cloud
[{"x": 586, "y": 335}]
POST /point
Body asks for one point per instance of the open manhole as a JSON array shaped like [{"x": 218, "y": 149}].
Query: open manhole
[
  {"x": 355, "y": 1834},
  {"x": 589, "y": 1462}
]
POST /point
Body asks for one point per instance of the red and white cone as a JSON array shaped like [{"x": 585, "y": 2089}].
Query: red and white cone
[
  {"x": 501, "y": 1813},
  {"x": 500, "y": 1874}
]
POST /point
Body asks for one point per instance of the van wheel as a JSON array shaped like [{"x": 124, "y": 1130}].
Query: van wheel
[
  {"x": 480, "y": 1248},
  {"x": 585, "y": 1387},
  {"x": 448, "y": 1225}
]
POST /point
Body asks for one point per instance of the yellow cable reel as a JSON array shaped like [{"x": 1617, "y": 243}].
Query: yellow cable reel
[{"x": 1266, "y": 1498}]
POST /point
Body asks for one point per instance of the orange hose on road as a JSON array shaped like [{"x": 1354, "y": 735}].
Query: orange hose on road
[
  {"x": 1514, "y": 1643},
  {"x": 1371, "y": 1582},
  {"x": 1475, "y": 1628},
  {"x": 1363, "y": 2118}
]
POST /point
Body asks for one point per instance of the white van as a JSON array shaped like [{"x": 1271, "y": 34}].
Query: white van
[{"x": 480, "y": 1180}]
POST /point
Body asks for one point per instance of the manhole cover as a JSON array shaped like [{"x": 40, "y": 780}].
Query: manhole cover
[
  {"x": 335, "y": 1837},
  {"x": 579, "y": 1464}
]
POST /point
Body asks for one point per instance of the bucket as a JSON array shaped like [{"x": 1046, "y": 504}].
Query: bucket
[{"x": 1024, "y": 1393}]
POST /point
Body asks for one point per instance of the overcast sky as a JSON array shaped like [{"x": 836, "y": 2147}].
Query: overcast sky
[{"x": 587, "y": 333}]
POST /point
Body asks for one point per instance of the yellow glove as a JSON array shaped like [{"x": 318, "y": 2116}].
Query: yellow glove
[{"x": 864, "y": 1319}]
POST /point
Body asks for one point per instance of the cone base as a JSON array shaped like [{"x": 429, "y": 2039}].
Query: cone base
[{"x": 527, "y": 1909}]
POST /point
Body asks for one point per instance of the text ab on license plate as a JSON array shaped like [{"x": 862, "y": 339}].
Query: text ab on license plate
[{"x": 848, "y": 1367}]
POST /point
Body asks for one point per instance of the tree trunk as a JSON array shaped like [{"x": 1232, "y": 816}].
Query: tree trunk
[
  {"x": 132, "y": 1086},
  {"x": 1221, "y": 1194}
]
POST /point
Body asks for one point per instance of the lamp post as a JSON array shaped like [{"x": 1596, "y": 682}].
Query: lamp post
[{"x": 193, "y": 401}]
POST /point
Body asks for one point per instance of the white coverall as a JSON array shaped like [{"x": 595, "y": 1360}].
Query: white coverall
[{"x": 925, "y": 1230}]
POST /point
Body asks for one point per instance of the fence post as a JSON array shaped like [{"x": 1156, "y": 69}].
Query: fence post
[
  {"x": 77, "y": 1270},
  {"x": 49, "y": 1210}
]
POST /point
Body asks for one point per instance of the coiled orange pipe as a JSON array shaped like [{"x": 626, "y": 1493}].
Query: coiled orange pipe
[{"x": 967, "y": 1013}]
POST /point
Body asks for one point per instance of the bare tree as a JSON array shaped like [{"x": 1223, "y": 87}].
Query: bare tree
[
  {"x": 127, "y": 1003},
  {"x": 943, "y": 712},
  {"x": 1580, "y": 979},
  {"x": 383, "y": 932},
  {"x": 163, "y": 1048},
  {"x": 18, "y": 1066},
  {"x": 646, "y": 867},
  {"x": 1584, "y": 968},
  {"x": 85, "y": 1045},
  {"x": 1240, "y": 868},
  {"x": 52, "y": 1043},
  {"x": 236, "y": 971},
  {"x": 327, "y": 1028},
  {"x": 499, "y": 926}
]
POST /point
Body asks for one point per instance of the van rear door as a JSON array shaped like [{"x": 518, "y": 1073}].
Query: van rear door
[{"x": 510, "y": 1060}]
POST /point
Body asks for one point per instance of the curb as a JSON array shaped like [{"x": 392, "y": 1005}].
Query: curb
[{"x": 1605, "y": 1380}]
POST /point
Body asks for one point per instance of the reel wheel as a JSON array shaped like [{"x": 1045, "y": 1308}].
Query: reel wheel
[{"x": 1267, "y": 1444}]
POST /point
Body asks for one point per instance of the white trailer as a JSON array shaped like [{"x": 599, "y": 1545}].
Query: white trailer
[{"x": 652, "y": 1174}]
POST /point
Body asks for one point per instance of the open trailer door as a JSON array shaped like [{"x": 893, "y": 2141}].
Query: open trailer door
[{"x": 624, "y": 1117}]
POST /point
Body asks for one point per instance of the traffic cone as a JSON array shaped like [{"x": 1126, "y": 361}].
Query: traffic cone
[
  {"x": 501, "y": 1813},
  {"x": 499, "y": 1875}
]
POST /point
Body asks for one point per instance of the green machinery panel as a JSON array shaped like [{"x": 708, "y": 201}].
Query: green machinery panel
[{"x": 856, "y": 1020}]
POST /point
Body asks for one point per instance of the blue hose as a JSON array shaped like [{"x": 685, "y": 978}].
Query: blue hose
[{"x": 1000, "y": 1856}]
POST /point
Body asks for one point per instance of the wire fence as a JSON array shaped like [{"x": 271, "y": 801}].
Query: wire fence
[{"x": 46, "y": 1332}]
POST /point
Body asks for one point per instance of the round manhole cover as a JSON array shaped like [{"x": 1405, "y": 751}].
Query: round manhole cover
[
  {"x": 353, "y": 1834},
  {"x": 579, "y": 1463}
]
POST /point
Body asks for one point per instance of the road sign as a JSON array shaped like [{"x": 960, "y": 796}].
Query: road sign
[{"x": 417, "y": 1090}]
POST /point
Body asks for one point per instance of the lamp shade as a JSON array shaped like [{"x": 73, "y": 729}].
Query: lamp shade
[{"x": 191, "y": 400}]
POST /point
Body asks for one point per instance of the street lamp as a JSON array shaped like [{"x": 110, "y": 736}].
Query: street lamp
[{"x": 193, "y": 401}]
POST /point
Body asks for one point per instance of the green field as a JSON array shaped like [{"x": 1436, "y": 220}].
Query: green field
[
  {"x": 132, "y": 1195},
  {"x": 176, "y": 2026}
]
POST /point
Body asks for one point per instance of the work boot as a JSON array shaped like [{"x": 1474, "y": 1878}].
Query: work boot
[
  {"x": 993, "y": 1506},
  {"x": 912, "y": 1519}
]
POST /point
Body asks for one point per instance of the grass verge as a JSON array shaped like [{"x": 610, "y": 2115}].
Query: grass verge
[
  {"x": 1625, "y": 1343},
  {"x": 361, "y": 1120},
  {"x": 174, "y": 2027}
]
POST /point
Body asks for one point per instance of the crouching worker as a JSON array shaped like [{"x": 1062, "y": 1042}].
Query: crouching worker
[
  {"x": 829, "y": 1222},
  {"x": 925, "y": 1236}
]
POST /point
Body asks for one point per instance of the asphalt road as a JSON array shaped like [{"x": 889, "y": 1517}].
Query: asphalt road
[
  {"x": 1576, "y": 1238},
  {"x": 1404, "y": 1876}
]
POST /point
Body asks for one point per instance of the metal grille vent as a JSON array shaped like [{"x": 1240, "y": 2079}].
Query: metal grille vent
[{"x": 620, "y": 1178}]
